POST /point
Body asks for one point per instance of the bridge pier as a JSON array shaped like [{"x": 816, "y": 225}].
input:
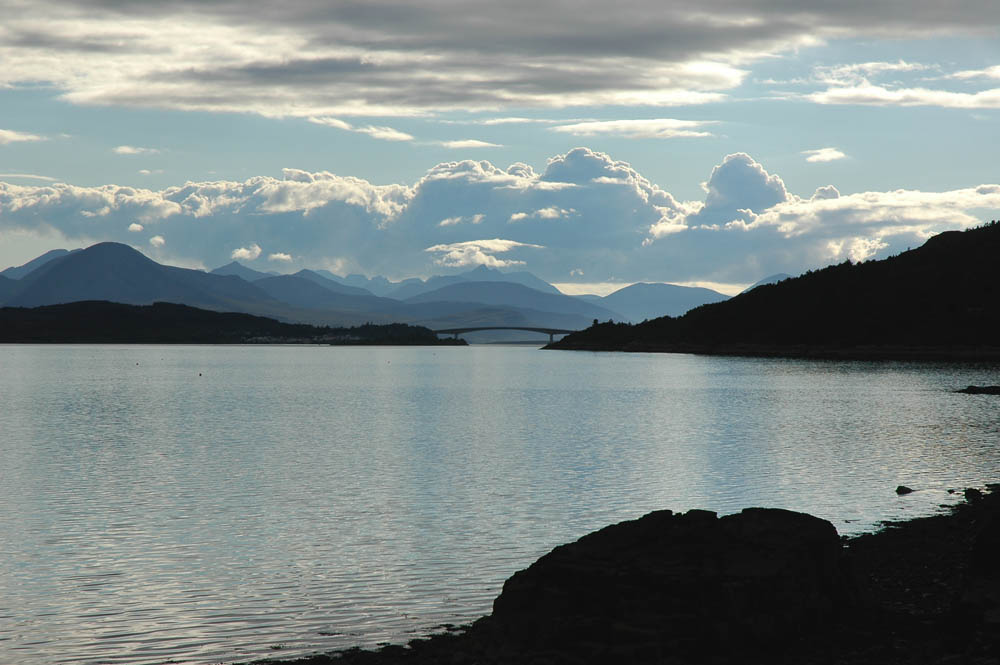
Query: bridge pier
[{"x": 551, "y": 337}]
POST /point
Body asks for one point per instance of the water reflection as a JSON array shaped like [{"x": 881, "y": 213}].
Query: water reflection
[{"x": 206, "y": 504}]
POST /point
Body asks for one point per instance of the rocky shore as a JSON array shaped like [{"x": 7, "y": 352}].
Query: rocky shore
[{"x": 759, "y": 586}]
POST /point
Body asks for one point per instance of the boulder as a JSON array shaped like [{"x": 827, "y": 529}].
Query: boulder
[{"x": 692, "y": 585}]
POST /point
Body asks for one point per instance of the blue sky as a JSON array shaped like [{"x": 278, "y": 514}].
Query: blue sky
[{"x": 594, "y": 144}]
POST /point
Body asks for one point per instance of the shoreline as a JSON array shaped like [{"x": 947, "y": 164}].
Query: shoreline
[
  {"x": 923, "y": 590},
  {"x": 971, "y": 354}
]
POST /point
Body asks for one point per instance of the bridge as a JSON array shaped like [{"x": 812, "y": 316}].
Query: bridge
[{"x": 458, "y": 331}]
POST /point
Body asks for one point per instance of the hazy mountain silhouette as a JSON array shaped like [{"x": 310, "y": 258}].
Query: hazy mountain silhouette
[
  {"x": 241, "y": 271},
  {"x": 770, "y": 279},
  {"x": 8, "y": 287},
  {"x": 378, "y": 285},
  {"x": 941, "y": 299},
  {"x": 303, "y": 292},
  {"x": 116, "y": 272},
  {"x": 414, "y": 287},
  {"x": 21, "y": 271},
  {"x": 648, "y": 301},
  {"x": 332, "y": 285},
  {"x": 513, "y": 295}
]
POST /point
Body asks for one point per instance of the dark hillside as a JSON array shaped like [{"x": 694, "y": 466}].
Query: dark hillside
[
  {"x": 100, "y": 322},
  {"x": 938, "y": 299}
]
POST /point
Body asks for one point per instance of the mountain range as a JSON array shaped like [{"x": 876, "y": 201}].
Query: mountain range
[
  {"x": 940, "y": 300},
  {"x": 481, "y": 297}
]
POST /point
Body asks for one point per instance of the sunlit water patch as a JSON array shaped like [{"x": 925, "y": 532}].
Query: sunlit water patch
[{"x": 214, "y": 504}]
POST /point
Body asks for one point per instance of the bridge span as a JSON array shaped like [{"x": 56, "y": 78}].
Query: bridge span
[{"x": 551, "y": 332}]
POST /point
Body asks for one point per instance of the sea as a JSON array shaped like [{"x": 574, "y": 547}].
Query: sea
[{"x": 221, "y": 504}]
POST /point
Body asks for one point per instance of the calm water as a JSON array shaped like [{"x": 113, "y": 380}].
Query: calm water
[{"x": 214, "y": 504}]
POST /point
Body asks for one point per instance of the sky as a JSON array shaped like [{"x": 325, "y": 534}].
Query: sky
[{"x": 593, "y": 144}]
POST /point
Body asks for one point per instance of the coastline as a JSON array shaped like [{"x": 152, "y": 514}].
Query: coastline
[
  {"x": 946, "y": 353},
  {"x": 925, "y": 590}
]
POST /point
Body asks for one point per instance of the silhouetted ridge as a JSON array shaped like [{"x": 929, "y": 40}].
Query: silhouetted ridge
[
  {"x": 939, "y": 299},
  {"x": 100, "y": 322}
]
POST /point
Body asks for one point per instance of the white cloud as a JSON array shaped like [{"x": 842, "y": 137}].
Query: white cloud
[
  {"x": 470, "y": 143},
  {"x": 135, "y": 228},
  {"x": 28, "y": 176},
  {"x": 452, "y": 221},
  {"x": 552, "y": 212},
  {"x": 585, "y": 209},
  {"x": 157, "y": 241},
  {"x": 859, "y": 73},
  {"x": 874, "y": 95},
  {"x": 478, "y": 253},
  {"x": 988, "y": 72},
  {"x": 149, "y": 172},
  {"x": 280, "y": 256},
  {"x": 823, "y": 155},
  {"x": 653, "y": 128},
  {"x": 133, "y": 150},
  {"x": 246, "y": 253},
  {"x": 10, "y": 136},
  {"x": 382, "y": 133}
]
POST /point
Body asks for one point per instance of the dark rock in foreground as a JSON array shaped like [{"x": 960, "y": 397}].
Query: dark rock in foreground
[
  {"x": 761, "y": 586},
  {"x": 691, "y": 584},
  {"x": 980, "y": 390}
]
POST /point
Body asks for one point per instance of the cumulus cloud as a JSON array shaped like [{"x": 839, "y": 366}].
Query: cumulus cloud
[
  {"x": 478, "y": 253},
  {"x": 10, "y": 136},
  {"x": 133, "y": 150},
  {"x": 653, "y": 128},
  {"x": 584, "y": 209},
  {"x": 823, "y": 155},
  {"x": 136, "y": 228},
  {"x": 157, "y": 241},
  {"x": 280, "y": 257},
  {"x": 246, "y": 253}
]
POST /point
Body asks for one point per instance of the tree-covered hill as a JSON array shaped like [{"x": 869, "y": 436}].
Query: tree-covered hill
[{"x": 939, "y": 300}]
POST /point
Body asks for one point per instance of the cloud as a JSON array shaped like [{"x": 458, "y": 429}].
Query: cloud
[
  {"x": 133, "y": 150},
  {"x": 873, "y": 95},
  {"x": 858, "y": 73},
  {"x": 584, "y": 208},
  {"x": 655, "y": 128},
  {"x": 988, "y": 72},
  {"x": 470, "y": 143},
  {"x": 135, "y": 228},
  {"x": 390, "y": 59},
  {"x": 452, "y": 221},
  {"x": 246, "y": 253},
  {"x": 8, "y": 136},
  {"x": 382, "y": 133},
  {"x": 280, "y": 257},
  {"x": 149, "y": 172},
  {"x": 157, "y": 241},
  {"x": 28, "y": 176},
  {"x": 823, "y": 155},
  {"x": 478, "y": 253},
  {"x": 551, "y": 212}
]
